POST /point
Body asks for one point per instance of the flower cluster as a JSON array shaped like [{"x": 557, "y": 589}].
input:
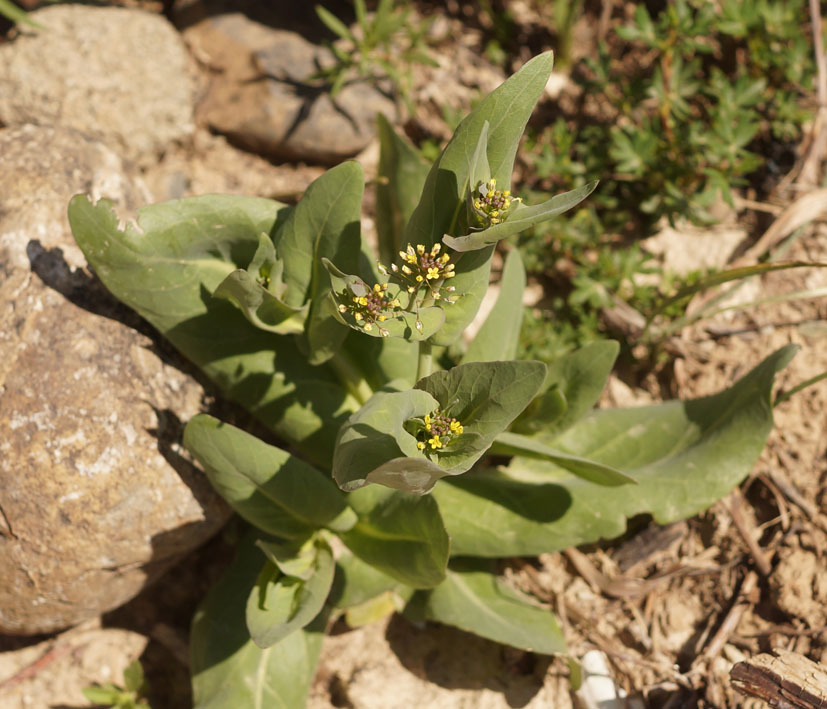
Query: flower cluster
[
  {"x": 492, "y": 205},
  {"x": 439, "y": 430},
  {"x": 423, "y": 267},
  {"x": 371, "y": 308}
]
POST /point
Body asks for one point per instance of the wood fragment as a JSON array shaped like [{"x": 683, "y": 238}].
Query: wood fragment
[{"x": 785, "y": 679}]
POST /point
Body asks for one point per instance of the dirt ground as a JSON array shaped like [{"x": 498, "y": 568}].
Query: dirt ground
[{"x": 670, "y": 610}]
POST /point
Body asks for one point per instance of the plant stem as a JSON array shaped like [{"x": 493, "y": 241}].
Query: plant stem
[
  {"x": 350, "y": 376},
  {"x": 426, "y": 360}
]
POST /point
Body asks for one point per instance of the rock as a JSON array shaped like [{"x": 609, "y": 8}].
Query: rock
[
  {"x": 212, "y": 166},
  {"x": 95, "y": 498},
  {"x": 262, "y": 97},
  {"x": 118, "y": 74}
]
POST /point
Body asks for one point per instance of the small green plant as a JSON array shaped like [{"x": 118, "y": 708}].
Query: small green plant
[
  {"x": 127, "y": 697},
  {"x": 386, "y": 496},
  {"x": 386, "y": 45},
  {"x": 681, "y": 107}
]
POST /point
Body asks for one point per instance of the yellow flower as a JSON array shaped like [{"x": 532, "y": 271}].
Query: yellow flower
[
  {"x": 420, "y": 445},
  {"x": 435, "y": 442}
]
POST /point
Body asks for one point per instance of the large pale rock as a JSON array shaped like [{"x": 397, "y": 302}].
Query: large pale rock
[
  {"x": 95, "y": 499},
  {"x": 263, "y": 99},
  {"x": 121, "y": 75}
]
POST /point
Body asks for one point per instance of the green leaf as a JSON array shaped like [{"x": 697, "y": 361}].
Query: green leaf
[
  {"x": 598, "y": 473},
  {"x": 506, "y": 110},
  {"x": 400, "y": 534},
  {"x": 473, "y": 599},
  {"x": 106, "y": 694},
  {"x": 324, "y": 224},
  {"x": 334, "y": 24},
  {"x": 485, "y": 397},
  {"x": 228, "y": 669},
  {"x": 166, "y": 266},
  {"x": 376, "y": 434},
  {"x": 271, "y": 489},
  {"x": 259, "y": 305},
  {"x": 578, "y": 378},
  {"x": 522, "y": 217},
  {"x": 279, "y": 604},
  {"x": 11, "y": 12},
  {"x": 400, "y": 177},
  {"x": 471, "y": 282},
  {"x": 133, "y": 676},
  {"x": 356, "y": 582},
  {"x": 684, "y": 455},
  {"x": 399, "y": 323},
  {"x": 499, "y": 335}
]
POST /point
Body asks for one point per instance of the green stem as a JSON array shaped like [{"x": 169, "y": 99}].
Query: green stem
[
  {"x": 350, "y": 376},
  {"x": 426, "y": 360}
]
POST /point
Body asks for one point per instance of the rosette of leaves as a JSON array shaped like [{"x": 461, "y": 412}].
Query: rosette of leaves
[{"x": 352, "y": 411}]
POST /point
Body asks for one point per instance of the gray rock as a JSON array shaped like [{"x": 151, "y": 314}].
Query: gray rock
[
  {"x": 96, "y": 499},
  {"x": 121, "y": 75},
  {"x": 263, "y": 99}
]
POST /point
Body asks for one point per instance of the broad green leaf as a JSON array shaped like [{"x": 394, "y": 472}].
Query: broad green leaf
[
  {"x": 375, "y": 609},
  {"x": 441, "y": 208},
  {"x": 471, "y": 283},
  {"x": 376, "y": 434},
  {"x": 599, "y": 473},
  {"x": 276, "y": 492},
  {"x": 576, "y": 380},
  {"x": 506, "y": 109},
  {"x": 398, "y": 323},
  {"x": 522, "y": 217},
  {"x": 400, "y": 534},
  {"x": 166, "y": 266},
  {"x": 258, "y": 291},
  {"x": 356, "y": 582},
  {"x": 228, "y": 669},
  {"x": 326, "y": 223},
  {"x": 473, "y": 599},
  {"x": 260, "y": 307},
  {"x": 485, "y": 397},
  {"x": 400, "y": 177},
  {"x": 684, "y": 455},
  {"x": 383, "y": 359},
  {"x": 279, "y": 605},
  {"x": 498, "y": 337}
]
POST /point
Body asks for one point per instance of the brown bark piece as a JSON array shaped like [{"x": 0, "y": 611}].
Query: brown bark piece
[{"x": 787, "y": 681}]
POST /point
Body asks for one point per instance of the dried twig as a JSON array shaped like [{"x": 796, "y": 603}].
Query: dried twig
[
  {"x": 758, "y": 555},
  {"x": 741, "y": 602}
]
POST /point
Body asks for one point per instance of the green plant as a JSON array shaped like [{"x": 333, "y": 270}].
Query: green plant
[
  {"x": 387, "y": 498},
  {"x": 680, "y": 107},
  {"x": 386, "y": 45},
  {"x": 126, "y": 697}
]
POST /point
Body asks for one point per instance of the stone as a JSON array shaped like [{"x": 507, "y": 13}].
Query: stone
[
  {"x": 263, "y": 99},
  {"x": 96, "y": 497},
  {"x": 121, "y": 75}
]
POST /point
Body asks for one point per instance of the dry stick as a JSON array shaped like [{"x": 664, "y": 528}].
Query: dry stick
[
  {"x": 759, "y": 557},
  {"x": 740, "y": 603},
  {"x": 809, "y": 173}
]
